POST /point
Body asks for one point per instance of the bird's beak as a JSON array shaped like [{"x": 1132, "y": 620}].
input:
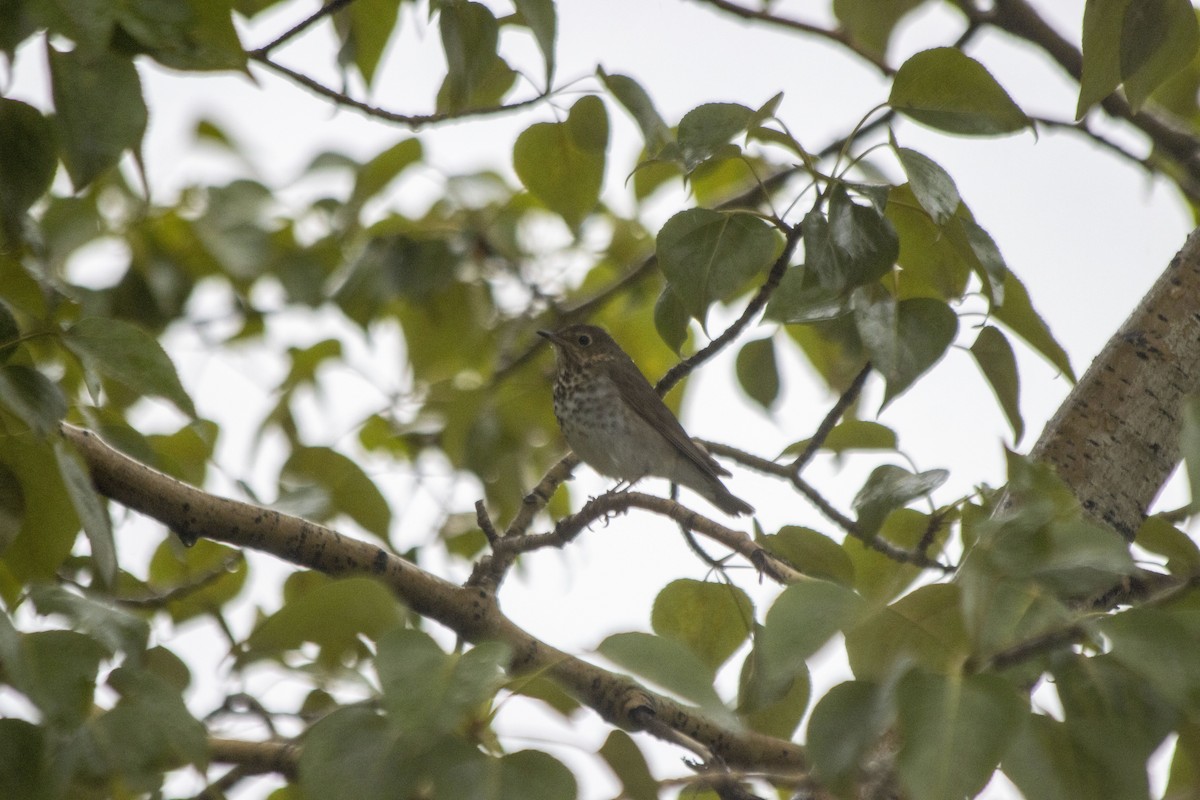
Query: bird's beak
[{"x": 549, "y": 336}]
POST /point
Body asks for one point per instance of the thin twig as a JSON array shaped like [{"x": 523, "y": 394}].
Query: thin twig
[
  {"x": 331, "y": 7},
  {"x": 832, "y": 418}
]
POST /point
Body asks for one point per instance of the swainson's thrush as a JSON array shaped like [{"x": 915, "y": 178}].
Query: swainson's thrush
[{"x": 615, "y": 421}]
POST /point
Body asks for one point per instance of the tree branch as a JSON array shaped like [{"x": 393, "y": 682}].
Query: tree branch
[{"x": 469, "y": 611}]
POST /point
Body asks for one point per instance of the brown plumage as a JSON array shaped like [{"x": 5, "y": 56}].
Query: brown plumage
[{"x": 615, "y": 421}]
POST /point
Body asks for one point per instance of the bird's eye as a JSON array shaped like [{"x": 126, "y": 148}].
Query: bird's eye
[{"x": 584, "y": 340}]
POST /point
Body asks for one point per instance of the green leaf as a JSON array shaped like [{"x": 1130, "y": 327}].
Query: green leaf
[
  {"x": 955, "y": 730},
  {"x": 932, "y": 185},
  {"x": 332, "y": 615},
  {"x": 12, "y": 507},
  {"x": 852, "y": 434},
  {"x": 100, "y": 111},
  {"x": 1019, "y": 316},
  {"x": 1153, "y": 644},
  {"x": 542, "y": 20},
  {"x": 212, "y": 573},
  {"x": 57, "y": 672},
  {"x": 626, "y": 761},
  {"x": 1159, "y": 536},
  {"x": 801, "y": 297},
  {"x": 27, "y": 164},
  {"x": 932, "y": 259},
  {"x": 878, "y": 577},
  {"x": 350, "y": 754},
  {"x": 92, "y": 511},
  {"x": 668, "y": 663},
  {"x": 125, "y": 353},
  {"x": 709, "y": 256},
  {"x": 532, "y": 768},
  {"x": 562, "y": 164},
  {"x": 153, "y": 726},
  {"x": 1140, "y": 43},
  {"x": 376, "y": 174},
  {"x": 800, "y": 622},
  {"x": 1047, "y": 761},
  {"x": 32, "y": 398},
  {"x": 25, "y": 760},
  {"x": 946, "y": 89},
  {"x": 475, "y": 75},
  {"x": 365, "y": 28},
  {"x": 671, "y": 319},
  {"x": 870, "y": 23},
  {"x": 116, "y": 630},
  {"x": 711, "y": 619},
  {"x": 856, "y": 245},
  {"x": 630, "y": 94},
  {"x": 757, "y": 372},
  {"x": 345, "y": 486},
  {"x": 906, "y": 342},
  {"x": 187, "y": 35},
  {"x": 428, "y": 692},
  {"x": 50, "y": 527},
  {"x": 996, "y": 361},
  {"x": 10, "y": 331},
  {"x": 925, "y": 626},
  {"x": 889, "y": 488},
  {"x": 762, "y": 704},
  {"x": 707, "y": 129},
  {"x": 844, "y": 725},
  {"x": 811, "y": 552},
  {"x": 980, "y": 251}
]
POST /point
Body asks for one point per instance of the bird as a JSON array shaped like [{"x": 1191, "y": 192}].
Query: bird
[{"x": 618, "y": 425}]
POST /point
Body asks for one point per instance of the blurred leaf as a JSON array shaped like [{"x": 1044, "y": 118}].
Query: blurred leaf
[
  {"x": 1159, "y": 536},
  {"x": 813, "y": 553},
  {"x": 347, "y": 487},
  {"x": 28, "y": 161},
  {"x": 707, "y": 129},
  {"x": 332, "y": 616},
  {"x": 25, "y": 759},
  {"x": 475, "y": 76},
  {"x": 709, "y": 256},
  {"x": 799, "y": 623},
  {"x": 212, "y": 574},
  {"x": 101, "y": 114},
  {"x": 1047, "y": 762},
  {"x": 185, "y": 453},
  {"x": 955, "y": 730},
  {"x": 92, "y": 511},
  {"x": 844, "y": 725},
  {"x": 996, "y": 361},
  {"x": 1140, "y": 44},
  {"x": 32, "y": 398},
  {"x": 871, "y": 23},
  {"x": 626, "y": 761},
  {"x": 428, "y": 692},
  {"x": 757, "y": 372},
  {"x": 1154, "y": 645},
  {"x": 350, "y": 754},
  {"x": 12, "y": 507},
  {"x": 116, "y": 630},
  {"x": 10, "y": 332},
  {"x": 562, "y": 163},
  {"x": 946, "y": 89},
  {"x": 365, "y": 28},
  {"x": 542, "y": 20},
  {"x": 376, "y": 174},
  {"x": 1019, "y": 316},
  {"x": 925, "y": 626},
  {"x": 711, "y": 619},
  {"x": 932, "y": 186},
  {"x": 671, "y": 319},
  {"x": 50, "y": 526},
  {"x": 57, "y": 672},
  {"x": 188, "y": 35},
  {"x": 878, "y": 577},
  {"x": 889, "y": 488},
  {"x": 630, "y": 94},
  {"x": 668, "y": 663},
  {"x": 125, "y": 353},
  {"x": 934, "y": 262},
  {"x": 764, "y": 706},
  {"x": 905, "y": 339}
]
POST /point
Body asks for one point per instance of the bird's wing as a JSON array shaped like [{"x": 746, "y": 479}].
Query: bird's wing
[{"x": 640, "y": 395}]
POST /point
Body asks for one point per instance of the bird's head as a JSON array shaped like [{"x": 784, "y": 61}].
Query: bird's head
[{"x": 581, "y": 344}]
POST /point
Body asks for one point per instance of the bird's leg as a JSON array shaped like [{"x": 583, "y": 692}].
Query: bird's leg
[{"x": 625, "y": 485}]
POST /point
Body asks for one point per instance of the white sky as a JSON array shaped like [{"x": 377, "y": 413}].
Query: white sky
[{"x": 1086, "y": 232}]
